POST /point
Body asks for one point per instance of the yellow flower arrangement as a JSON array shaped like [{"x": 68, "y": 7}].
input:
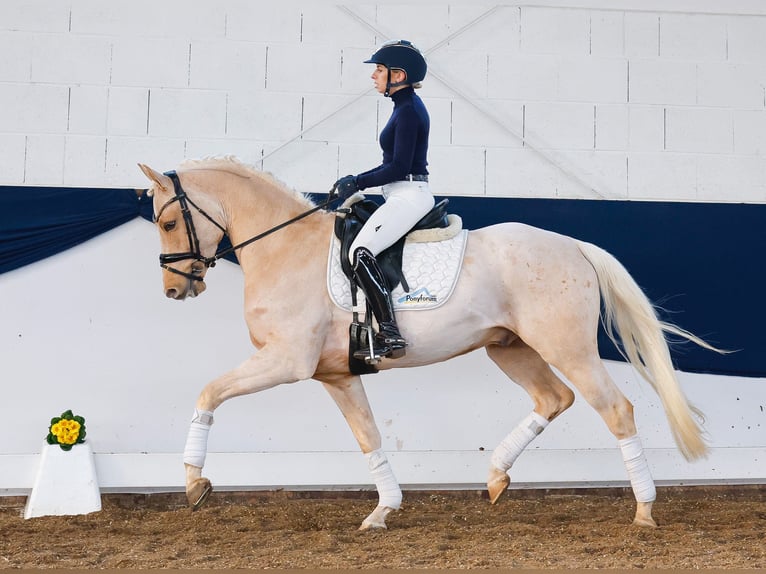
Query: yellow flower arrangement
[{"x": 66, "y": 430}]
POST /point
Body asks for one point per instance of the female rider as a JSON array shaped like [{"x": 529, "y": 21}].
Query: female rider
[{"x": 399, "y": 69}]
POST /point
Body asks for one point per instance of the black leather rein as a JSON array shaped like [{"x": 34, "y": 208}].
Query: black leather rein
[{"x": 194, "y": 250}]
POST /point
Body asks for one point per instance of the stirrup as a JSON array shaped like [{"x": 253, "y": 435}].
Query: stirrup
[
  {"x": 378, "y": 347},
  {"x": 380, "y": 350}
]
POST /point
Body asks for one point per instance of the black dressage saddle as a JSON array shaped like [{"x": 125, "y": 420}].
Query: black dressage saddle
[
  {"x": 351, "y": 219},
  {"x": 348, "y": 223}
]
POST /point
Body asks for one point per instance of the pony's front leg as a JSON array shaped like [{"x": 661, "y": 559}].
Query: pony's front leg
[
  {"x": 348, "y": 393},
  {"x": 198, "y": 489},
  {"x": 262, "y": 371}
]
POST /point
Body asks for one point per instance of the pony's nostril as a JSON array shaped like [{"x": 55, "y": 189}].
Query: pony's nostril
[{"x": 171, "y": 293}]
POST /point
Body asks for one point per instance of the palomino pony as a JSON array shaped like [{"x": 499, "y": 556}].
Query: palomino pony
[{"x": 531, "y": 298}]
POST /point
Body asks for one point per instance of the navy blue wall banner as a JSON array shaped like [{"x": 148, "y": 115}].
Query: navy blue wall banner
[{"x": 700, "y": 262}]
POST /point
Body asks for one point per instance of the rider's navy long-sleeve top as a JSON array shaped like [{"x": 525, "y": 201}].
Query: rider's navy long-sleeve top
[{"x": 404, "y": 141}]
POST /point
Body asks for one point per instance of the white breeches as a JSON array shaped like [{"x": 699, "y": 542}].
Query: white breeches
[{"x": 407, "y": 202}]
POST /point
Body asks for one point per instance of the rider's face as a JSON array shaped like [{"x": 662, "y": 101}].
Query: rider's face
[{"x": 380, "y": 78}]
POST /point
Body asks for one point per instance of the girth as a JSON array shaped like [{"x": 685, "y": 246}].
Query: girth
[{"x": 351, "y": 219}]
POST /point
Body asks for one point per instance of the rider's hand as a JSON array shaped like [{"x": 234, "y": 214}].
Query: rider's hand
[{"x": 346, "y": 186}]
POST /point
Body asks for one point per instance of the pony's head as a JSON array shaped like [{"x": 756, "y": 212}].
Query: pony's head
[{"x": 190, "y": 230}]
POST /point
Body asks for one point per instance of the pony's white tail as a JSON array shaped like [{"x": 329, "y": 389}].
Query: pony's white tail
[{"x": 629, "y": 315}]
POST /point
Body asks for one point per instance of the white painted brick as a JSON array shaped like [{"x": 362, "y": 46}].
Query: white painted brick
[
  {"x": 659, "y": 176},
  {"x": 642, "y": 34},
  {"x": 15, "y": 56},
  {"x": 555, "y": 31},
  {"x": 612, "y": 127},
  {"x": 166, "y": 19},
  {"x": 44, "y": 160},
  {"x": 84, "y": 160},
  {"x": 350, "y": 119},
  {"x": 497, "y": 33},
  {"x": 408, "y": 22},
  {"x": 607, "y": 34},
  {"x": 456, "y": 170},
  {"x": 151, "y": 62},
  {"x": 731, "y": 85},
  {"x": 88, "y": 107},
  {"x": 217, "y": 64},
  {"x": 593, "y": 79},
  {"x": 124, "y": 153},
  {"x": 731, "y": 178},
  {"x": 34, "y": 15},
  {"x": 525, "y": 78},
  {"x": 440, "y": 113},
  {"x": 559, "y": 126},
  {"x": 248, "y": 151},
  {"x": 662, "y": 82},
  {"x": 187, "y": 113},
  {"x": 302, "y": 68},
  {"x": 308, "y": 167},
  {"x": 29, "y": 108},
  {"x": 523, "y": 173},
  {"x": 128, "y": 112},
  {"x": 749, "y": 132},
  {"x": 64, "y": 58},
  {"x": 12, "y": 151},
  {"x": 747, "y": 39},
  {"x": 702, "y": 130},
  {"x": 263, "y": 22},
  {"x": 697, "y": 37},
  {"x": 502, "y": 125},
  {"x": 647, "y": 128},
  {"x": 328, "y": 25},
  {"x": 466, "y": 72},
  {"x": 356, "y": 158},
  {"x": 264, "y": 116},
  {"x": 603, "y": 174},
  {"x": 355, "y": 74}
]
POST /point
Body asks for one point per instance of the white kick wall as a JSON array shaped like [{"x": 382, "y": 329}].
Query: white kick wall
[{"x": 627, "y": 100}]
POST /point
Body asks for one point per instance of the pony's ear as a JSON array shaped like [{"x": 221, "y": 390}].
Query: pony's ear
[{"x": 161, "y": 180}]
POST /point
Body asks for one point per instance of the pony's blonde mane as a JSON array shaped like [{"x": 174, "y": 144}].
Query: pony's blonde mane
[{"x": 233, "y": 165}]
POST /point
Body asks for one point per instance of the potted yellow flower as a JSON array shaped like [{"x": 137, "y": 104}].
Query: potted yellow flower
[{"x": 66, "y": 430}]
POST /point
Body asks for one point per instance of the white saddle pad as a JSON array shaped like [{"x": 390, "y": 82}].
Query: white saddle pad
[{"x": 431, "y": 270}]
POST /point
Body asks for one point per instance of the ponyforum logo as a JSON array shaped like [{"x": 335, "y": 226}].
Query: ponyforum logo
[{"x": 422, "y": 295}]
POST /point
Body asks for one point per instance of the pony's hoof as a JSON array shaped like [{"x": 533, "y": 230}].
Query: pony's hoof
[
  {"x": 644, "y": 515},
  {"x": 497, "y": 484},
  {"x": 644, "y": 522},
  {"x": 198, "y": 493},
  {"x": 377, "y": 519}
]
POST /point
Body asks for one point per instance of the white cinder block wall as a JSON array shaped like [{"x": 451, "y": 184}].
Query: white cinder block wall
[
  {"x": 627, "y": 100},
  {"x": 586, "y": 98}
]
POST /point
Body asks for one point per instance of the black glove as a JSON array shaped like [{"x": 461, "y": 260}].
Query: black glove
[{"x": 346, "y": 186}]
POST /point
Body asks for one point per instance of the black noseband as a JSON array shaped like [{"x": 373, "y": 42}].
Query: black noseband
[{"x": 166, "y": 259}]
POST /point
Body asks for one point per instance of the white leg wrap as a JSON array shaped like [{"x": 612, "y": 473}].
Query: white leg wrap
[
  {"x": 389, "y": 493},
  {"x": 514, "y": 444},
  {"x": 638, "y": 469},
  {"x": 196, "y": 441}
]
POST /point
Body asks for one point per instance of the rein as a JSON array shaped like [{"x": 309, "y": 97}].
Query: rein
[{"x": 194, "y": 250}]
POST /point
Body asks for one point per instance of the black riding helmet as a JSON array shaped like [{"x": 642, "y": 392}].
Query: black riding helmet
[{"x": 400, "y": 55}]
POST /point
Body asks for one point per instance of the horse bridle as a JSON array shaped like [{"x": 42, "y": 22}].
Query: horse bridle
[{"x": 184, "y": 201}]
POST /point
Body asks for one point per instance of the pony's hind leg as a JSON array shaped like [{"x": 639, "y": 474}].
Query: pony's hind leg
[
  {"x": 550, "y": 395},
  {"x": 591, "y": 378},
  {"x": 348, "y": 393}
]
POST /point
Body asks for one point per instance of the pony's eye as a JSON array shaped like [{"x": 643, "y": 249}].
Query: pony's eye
[{"x": 169, "y": 225}]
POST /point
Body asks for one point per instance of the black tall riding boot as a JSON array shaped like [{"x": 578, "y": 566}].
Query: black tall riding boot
[{"x": 388, "y": 340}]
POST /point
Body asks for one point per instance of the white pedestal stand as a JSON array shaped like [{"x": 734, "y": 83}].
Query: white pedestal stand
[{"x": 66, "y": 483}]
